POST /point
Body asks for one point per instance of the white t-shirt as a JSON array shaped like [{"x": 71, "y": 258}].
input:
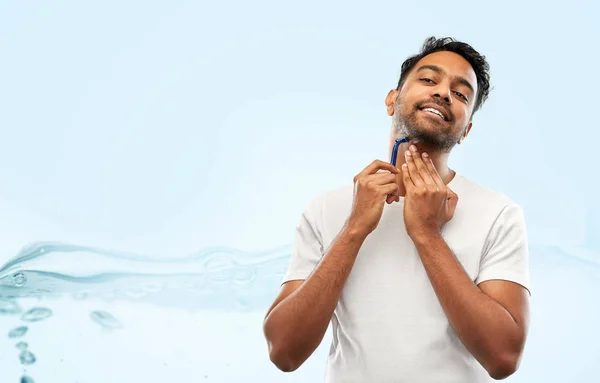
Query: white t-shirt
[{"x": 388, "y": 325}]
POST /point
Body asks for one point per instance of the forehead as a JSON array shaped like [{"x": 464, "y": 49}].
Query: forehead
[{"x": 452, "y": 63}]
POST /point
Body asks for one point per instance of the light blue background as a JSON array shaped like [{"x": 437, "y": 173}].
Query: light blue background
[{"x": 162, "y": 128}]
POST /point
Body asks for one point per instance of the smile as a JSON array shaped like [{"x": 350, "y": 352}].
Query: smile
[{"x": 434, "y": 111}]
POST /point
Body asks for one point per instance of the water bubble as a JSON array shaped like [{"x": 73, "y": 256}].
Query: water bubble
[
  {"x": 19, "y": 279},
  {"x": 9, "y": 307},
  {"x": 22, "y": 345},
  {"x": 26, "y": 357},
  {"x": 105, "y": 319},
  {"x": 36, "y": 314},
  {"x": 17, "y": 332},
  {"x": 26, "y": 379}
]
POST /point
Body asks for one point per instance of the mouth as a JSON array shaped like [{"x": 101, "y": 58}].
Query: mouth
[{"x": 436, "y": 111}]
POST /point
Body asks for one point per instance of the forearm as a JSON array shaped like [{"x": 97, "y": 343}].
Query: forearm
[
  {"x": 295, "y": 326},
  {"x": 484, "y": 326}
]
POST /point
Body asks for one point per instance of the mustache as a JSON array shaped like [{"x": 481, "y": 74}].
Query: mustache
[{"x": 449, "y": 113}]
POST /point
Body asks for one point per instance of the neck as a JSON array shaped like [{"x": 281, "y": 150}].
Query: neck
[{"x": 439, "y": 158}]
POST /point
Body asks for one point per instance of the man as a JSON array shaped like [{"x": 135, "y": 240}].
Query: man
[{"x": 418, "y": 286}]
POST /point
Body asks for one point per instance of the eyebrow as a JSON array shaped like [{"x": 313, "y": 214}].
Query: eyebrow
[{"x": 439, "y": 70}]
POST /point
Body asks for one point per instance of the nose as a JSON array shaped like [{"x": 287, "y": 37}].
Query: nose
[{"x": 443, "y": 93}]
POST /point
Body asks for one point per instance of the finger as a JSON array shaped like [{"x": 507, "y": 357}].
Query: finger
[
  {"x": 377, "y": 165},
  {"x": 413, "y": 172},
  {"x": 408, "y": 182},
  {"x": 380, "y": 178},
  {"x": 435, "y": 176},
  {"x": 420, "y": 166},
  {"x": 391, "y": 198},
  {"x": 390, "y": 189},
  {"x": 395, "y": 196},
  {"x": 452, "y": 196}
]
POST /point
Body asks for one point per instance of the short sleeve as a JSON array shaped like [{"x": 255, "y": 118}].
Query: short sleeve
[
  {"x": 506, "y": 251},
  {"x": 307, "y": 249}
]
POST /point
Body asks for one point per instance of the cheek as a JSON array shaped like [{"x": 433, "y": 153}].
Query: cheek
[{"x": 461, "y": 115}]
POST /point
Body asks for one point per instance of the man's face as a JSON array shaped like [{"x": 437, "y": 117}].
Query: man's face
[{"x": 436, "y": 101}]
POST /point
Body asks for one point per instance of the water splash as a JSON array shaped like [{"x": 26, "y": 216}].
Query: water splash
[
  {"x": 105, "y": 319},
  {"x": 36, "y": 314},
  {"x": 220, "y": 278},
  {"x": 17, "y": 332}
]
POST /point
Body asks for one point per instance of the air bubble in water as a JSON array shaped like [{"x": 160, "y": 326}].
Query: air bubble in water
[
  {"x": 26, "y": 357},
  {"x": 36, "y": 314},
  {"x": 17, "y": 332},
  {"x": 19, "y": 279},
  {"x": 22, "y": 345},
  {"x": 105, "y": 319}
]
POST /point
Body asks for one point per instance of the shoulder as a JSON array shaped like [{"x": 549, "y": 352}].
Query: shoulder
[
  {"x": 475, "y": 193},
  {"x": 481, "y": 200},
  {"x": 327, "y": 211}
]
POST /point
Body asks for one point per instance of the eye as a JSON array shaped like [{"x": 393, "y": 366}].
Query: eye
[
  {"x": 462, "y": 95},
  {"x": 427, "y": 80}
]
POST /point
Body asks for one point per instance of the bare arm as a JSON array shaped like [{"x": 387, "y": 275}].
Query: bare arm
[
  {"x": 491, "y": 320},
  {"x": 297, "y": 321}
]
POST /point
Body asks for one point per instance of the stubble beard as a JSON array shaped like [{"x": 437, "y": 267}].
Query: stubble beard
[{"x": 410, "y": 126}]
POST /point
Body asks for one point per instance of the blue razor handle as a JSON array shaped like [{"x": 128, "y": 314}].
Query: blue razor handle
[{"x": 395, "y": 150}]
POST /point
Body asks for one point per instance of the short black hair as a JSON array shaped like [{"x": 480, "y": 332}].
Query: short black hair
[{"x": 477, "y": 61}]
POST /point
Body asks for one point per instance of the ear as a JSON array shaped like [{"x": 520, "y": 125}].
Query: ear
[
  {"x": 465, "y": 133},
  {"x": 390, "y": 101}
]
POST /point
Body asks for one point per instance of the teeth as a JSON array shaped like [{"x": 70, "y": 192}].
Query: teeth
[{"x": 435, "y": 111}]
